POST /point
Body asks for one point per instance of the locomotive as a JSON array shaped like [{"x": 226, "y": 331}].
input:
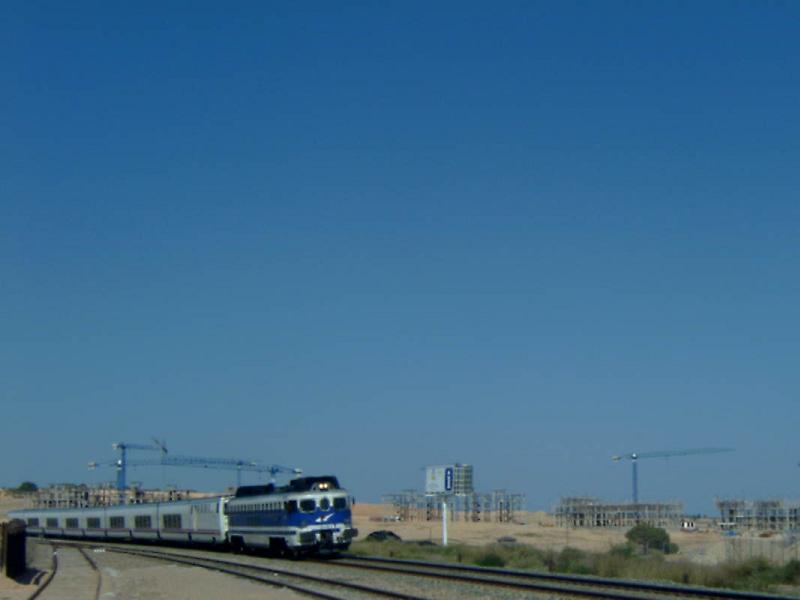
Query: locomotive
[{"x": 309, "y": 515}]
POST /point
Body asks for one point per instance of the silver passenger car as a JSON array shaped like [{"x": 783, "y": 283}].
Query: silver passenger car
[{"x": 192, "y": 521}]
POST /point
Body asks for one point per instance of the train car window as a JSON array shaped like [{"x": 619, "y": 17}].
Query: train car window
[
  {"x": 52, "y": 522},
  {"x": 72, "y": 523},
  {"x": 33, "y": 522},
  {"x": 291, "y": 506},
  {"x": 142, "y": 522},
  {"x": 307, "y": 505},
  {"x": 116, "y": 522},
  {"x": 172, "y": 521},
  {"x": 93, "y": 523},
  {"x": 339, "y": 503},
  {"x": 324, "y": 504}
]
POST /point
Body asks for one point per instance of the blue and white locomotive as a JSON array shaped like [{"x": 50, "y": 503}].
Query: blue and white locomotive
[{"x": 309, "y": 515}]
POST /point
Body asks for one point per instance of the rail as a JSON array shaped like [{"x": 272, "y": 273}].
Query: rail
[{"x": 549, "y": 582}]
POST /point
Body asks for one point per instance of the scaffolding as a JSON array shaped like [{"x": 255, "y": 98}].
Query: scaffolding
[
  {"x": 70, "y": 495},
  {"x": 588, "y": 512},
  {"x": 759, "y": 515},
  {"x": 498, "y": 506}
]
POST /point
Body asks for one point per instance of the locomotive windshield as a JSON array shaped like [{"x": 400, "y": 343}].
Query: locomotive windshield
[{"x": 301, "y": 484}]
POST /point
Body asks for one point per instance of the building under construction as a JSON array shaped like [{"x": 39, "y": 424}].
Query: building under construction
[
  {"x": 464, "y": 504},
  {"x": 573, "y": 512},
  {"x": 70, "y": 495},
  {"x": 498, "y": 506},
  {"x": 759, "y": 515}
]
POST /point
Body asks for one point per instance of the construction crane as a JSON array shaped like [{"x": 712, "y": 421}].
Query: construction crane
[
  {"x": 169, "y": 460},
  {"x": 635, "y": 456},
  {"x": 122, "y": 462},
  {"x": 231, "y": 464}
]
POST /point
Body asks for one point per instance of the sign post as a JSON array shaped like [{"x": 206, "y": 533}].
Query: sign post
[
  {"x": 439, "y": 482},
  {"x": 444, "y": 520}
]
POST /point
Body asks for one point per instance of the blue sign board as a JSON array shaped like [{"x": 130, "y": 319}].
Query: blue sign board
[{"x": 448, "y": 479}]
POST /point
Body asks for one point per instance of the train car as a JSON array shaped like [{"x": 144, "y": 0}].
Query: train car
[
  {"x": 310, "y": 515},
  {"x": 200, "y": 520}
]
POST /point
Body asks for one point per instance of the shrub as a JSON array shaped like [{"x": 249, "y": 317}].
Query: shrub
[
  {"x": 623, "y": 550},
  {"x": 790, "y": 572},
  {"x": 572, "y": 560},
  {"x": 648, "y": 537},
  {"x": 490, "y": 559}
]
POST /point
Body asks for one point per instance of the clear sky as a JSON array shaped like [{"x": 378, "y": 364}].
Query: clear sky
[{"x": 363, "y": 237}]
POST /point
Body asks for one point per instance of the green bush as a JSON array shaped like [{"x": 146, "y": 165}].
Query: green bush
[
  {"x": 490, "y": 559},
  {"x": 790, "y": 572},
  {"x": 624, "y": 550},
  {"x": 572, "y": 560},
  {"x": 648, "y": 538}
]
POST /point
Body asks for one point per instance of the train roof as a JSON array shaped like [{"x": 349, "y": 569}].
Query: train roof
[
  {"x": 301, "y": 484},
  {"x": 114, "y": 507}
]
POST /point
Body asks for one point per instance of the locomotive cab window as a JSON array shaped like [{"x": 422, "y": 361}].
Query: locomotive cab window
[
  {"x": 291, "y": 506},
  {"x": 340, "y": 503},
  {"x": 324, "y": 504},
  {"x": 307, "y": 505}
]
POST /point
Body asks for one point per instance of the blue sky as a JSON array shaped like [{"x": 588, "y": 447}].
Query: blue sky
[{"x": 363, "y": 237}]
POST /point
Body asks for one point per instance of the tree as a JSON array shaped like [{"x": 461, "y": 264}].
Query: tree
[
  {"x": 648, "y": 537},
  {"x": 27, "y": 486}
]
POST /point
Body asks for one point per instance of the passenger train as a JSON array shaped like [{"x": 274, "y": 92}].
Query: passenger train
[{"x": 307, "y": 516}]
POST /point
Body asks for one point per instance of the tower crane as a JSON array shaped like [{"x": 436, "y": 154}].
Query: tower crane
[
  {"x": 170, "y": 460},
  {"x": 232, "y": 464},
  {"x": 635, "y": 456},
  {"x": 122, "y": 462}
]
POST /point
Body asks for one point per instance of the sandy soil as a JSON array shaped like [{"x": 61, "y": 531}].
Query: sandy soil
[{"x": 535, "y": 528}]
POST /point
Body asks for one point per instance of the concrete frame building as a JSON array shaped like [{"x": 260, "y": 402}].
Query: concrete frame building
[
  {"x": 578, "y": 512},
  {"x": 759, "y": 515}
]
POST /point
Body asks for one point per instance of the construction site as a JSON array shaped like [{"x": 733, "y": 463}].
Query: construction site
[
  {"x": 124, "y": 492},
  {"x": 85, "y": 496},
  {"x": 759, "y": 515},
  {"x": 573, "y": 512},
  {"x": 463, "y": 504},
  {"x": 591, "y": 512}
]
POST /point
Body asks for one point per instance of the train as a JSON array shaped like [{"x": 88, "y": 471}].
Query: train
[{"x": 310, "y": 515}]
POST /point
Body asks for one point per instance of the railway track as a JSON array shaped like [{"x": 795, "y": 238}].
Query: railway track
[
  {"x": 48, "y": 580},
  {"x": 573, "y": 585},
  {"x": 311, "y": 585},
  {"x": 93, "y": 567},
  {"x": 481, "y": 581}
]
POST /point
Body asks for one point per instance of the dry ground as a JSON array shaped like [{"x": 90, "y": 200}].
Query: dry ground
[{"x": 534, "y": 528}]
